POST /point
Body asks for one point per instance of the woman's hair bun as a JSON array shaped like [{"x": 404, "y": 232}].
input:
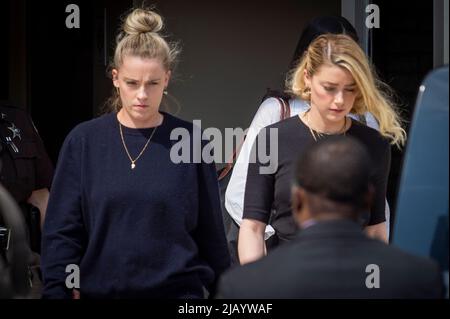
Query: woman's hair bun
[{"x": 142, "y": 21}]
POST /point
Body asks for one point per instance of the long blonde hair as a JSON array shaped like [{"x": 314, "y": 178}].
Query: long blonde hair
[
  {"x": 139, "y": 36},
  {"x": 373, "y": 96}
]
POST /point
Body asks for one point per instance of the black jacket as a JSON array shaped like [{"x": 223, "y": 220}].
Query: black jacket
[
  {"x": 25, "y": 164},
  {"x": 330, "y": 260}
]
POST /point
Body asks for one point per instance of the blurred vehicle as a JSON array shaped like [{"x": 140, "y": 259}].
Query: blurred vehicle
[{"x": 421, "y": 225}]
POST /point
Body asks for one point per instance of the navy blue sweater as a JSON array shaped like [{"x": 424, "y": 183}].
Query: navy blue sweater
[{"x": 153, "y": 232}]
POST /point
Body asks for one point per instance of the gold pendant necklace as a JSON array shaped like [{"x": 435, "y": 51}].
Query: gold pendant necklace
[{"x": 133, "y": 161}]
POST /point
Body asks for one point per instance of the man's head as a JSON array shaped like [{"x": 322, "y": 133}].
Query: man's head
[{"x": 332, "y": 181}]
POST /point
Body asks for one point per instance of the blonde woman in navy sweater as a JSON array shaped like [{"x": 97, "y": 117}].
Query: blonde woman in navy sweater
[{"x": 136, "y": 223}]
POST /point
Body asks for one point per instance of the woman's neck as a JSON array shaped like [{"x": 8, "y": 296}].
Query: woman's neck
[
  {"x": 319, "y": 124},
  {"x": 126, "y": 120}
]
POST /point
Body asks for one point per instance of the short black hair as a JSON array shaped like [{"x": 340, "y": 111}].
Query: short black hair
[{"x": 337, "y": 168}]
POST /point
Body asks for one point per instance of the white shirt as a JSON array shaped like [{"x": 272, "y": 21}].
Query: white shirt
[{"x": 267, "y": 114}]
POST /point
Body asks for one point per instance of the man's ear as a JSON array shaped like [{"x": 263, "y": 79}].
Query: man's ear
[
  {"x": 297, "y": 199},
  {"x": 298, "y": 205}
]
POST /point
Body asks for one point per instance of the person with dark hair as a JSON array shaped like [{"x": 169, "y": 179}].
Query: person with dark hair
[
  {"x": 319, "y": 26},
  {"x": 269, "y": 113},
  {"x": 331, "y": 257},
  {"x": 137, "y": 223}
]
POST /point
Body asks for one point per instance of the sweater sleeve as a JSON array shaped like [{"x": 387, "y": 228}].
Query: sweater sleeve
[
  {"x": 64, "y": 235},
  {"x": 210, "y": 232}
]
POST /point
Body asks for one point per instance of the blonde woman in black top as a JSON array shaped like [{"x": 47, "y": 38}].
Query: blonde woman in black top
[{"x": 335, "y": 77}]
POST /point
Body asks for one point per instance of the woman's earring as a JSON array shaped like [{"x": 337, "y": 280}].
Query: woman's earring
[
  {"x": 165, "y": 92},
  {"x": 117, "y": 90}
]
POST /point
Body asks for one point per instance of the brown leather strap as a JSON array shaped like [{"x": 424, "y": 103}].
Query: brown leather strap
[
  {"x": 288, "y": 109},
  {"x": 226, "y": 170},
  {"x": 230, "y": 163},
  {"x": 285, "y": 110}
]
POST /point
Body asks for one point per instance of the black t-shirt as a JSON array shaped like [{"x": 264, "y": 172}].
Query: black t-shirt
[{"x": 268, "y": 196}]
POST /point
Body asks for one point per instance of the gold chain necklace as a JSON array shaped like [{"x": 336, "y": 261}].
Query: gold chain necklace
[
  {"x": 320, "y": 135},
  {"x": 133, "y": 161}
]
